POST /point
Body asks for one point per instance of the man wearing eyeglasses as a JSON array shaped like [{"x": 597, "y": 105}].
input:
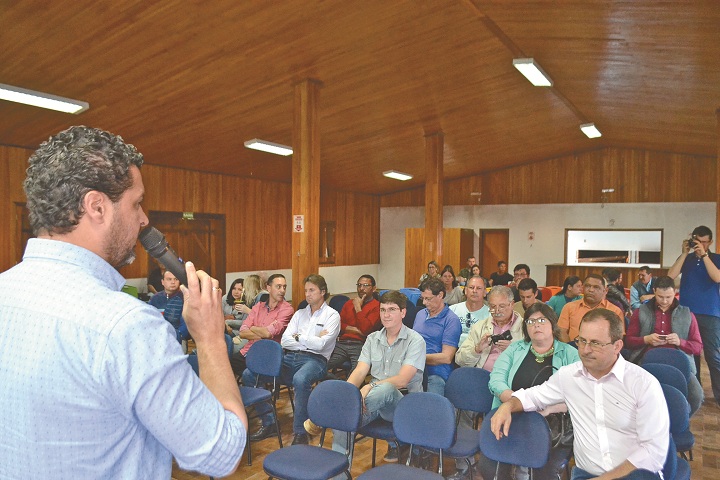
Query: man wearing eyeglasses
[
  {"x": 620, "y": 418},
  {"x": 395, "y": 359},
  {"x": 594, "y": 292},
  {"x": 473, "y": 308},
  {"x": 359, "y": 317}
]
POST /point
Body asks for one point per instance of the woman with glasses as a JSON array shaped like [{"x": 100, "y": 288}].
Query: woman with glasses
[
  {"x": 525, "y": 364},
  {"x": 433, "y": 271}
]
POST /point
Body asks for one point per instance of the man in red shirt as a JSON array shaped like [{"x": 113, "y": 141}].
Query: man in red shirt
[{"x": 359, "y": 317}]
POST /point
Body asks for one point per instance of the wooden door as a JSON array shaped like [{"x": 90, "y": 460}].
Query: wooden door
[
  {"x": 200, "y": 239},
  {"x": 494, "y": 246}
]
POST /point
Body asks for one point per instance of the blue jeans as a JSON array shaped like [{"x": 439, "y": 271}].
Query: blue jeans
[
  {"x": 580, "y": 474},
  {"x": 380, "y": 402},
  {"x": 436, "y": 384},
  {"x": 710, "y": 334},
  {"x": 301, "y": 371}
]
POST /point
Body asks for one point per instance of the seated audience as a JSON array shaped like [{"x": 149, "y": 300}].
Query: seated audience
[
  {"x": 480, "y": 349},
  {"x": 252, "y": 292},
  {"x": 359, "y": 317},
  {"x": 521, "y": 272},
  {"x": 527, "y": 291},
  {"x": 231, "y": 306},
  {"x": 433, "y": 271},
  {"x": 453, "y": 292},
  {"x": 394, "y": 358},
  {"x": 594, "y": 291},
  {"x": 620, "y": 419},
  {"x": 642, "y": 290},
  {"x": 525, "y": 364},
  {"x": 571, "y": 291},
  {"x": 169, "y": 301},
  {"x": 474, "y": 308},
  {"x": 663, "y": 323},
  {"x": 616, "y": 290},
  {"x": 440, "y": 328},
  {"x": 466, "y": 272},
  {"x": 501, "y": 277}
]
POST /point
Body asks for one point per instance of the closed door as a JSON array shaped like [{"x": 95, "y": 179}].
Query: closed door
[{"x": 494, "y": 246}]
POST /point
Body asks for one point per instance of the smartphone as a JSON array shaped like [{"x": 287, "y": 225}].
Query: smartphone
[{"x": 662, "y": 337}]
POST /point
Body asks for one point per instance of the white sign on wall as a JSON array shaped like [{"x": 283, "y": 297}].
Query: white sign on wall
[{"x": 298, "y": 223}]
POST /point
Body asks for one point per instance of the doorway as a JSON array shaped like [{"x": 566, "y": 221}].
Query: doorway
[
  {"x": 494, "y": 246},
  {"x": 199, "y": 237}
]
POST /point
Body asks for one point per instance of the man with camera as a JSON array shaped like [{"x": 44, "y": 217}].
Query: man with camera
[
  {"x": 489, "y": 337},
  {"x": 700, "y": 293}
]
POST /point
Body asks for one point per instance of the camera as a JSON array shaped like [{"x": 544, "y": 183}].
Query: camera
[
  {"x": 506, "y": 335},
  {"x": 692, "y": 242}
]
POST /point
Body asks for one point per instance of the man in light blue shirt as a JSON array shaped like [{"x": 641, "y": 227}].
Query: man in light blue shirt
[
  {"x": 95, "y": 384},
  {"x": 473, "y": 308}
]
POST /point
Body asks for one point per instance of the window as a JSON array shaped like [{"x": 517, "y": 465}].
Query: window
[{"x": 629, "y": 248}]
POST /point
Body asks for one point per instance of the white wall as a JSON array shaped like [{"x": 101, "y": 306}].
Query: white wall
[{"x": 548, "y": 222}]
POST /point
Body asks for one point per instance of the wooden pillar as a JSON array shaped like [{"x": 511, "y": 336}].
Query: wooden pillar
[
  {"x": 433, "y": 197},
  {"x": 717, "y": 183},
  {"x": 305, "y": 185}
]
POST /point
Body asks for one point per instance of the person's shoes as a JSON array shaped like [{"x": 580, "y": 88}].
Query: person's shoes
[
  {"x": 392, "y": 454},
  {"x": 265, "y": 431},
  {"x": 311, "y": 428},
  {"x": 300, "y": 439},
  {"x": 459, "y": 475}
]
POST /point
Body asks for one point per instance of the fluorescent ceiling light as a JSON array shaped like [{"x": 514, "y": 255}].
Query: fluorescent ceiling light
[
  {"x": 270, "y": 147},
  {"x": 42, "y": 100},
  {"x": 397, "y": 175},
  {"x": 590, "y": 130},
  {"x": 532, "y": 72}
]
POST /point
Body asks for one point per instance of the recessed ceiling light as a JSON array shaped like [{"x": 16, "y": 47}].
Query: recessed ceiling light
[
  {"x": 269, "y": 147},
  {"x": 590, "y": 130},
  {"x": 397, "y": 175},
  {"x": 42, "y": 100},
  {"x": 532, "y": 72}
]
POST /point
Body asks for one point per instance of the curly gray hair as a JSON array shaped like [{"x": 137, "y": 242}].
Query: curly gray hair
[{"x": 67, "y": 166}]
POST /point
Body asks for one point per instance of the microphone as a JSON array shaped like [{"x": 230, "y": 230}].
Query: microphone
[{"x": 154, "y": 242}]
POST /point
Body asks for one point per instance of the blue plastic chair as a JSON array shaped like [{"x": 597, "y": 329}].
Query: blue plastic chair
[
  {"x": 674, "y": 468},
  {"x": 679, "y": 411},
  {"x": 193, "y": 359},
  {"x": 332, "y": 404},
  {"x": 265, "y": 360},
  {"x": 411, "y": 312},
  {"x": 668, "y": 375},
  {"x": 413, "y": 294},
  {"x": 378, "y": 429},
  {"x": 421, "y": 419},
  {"x": 669, "y": 356},
  {"x": 527, "y": 445},
  {"x": 338, "y": 302}
]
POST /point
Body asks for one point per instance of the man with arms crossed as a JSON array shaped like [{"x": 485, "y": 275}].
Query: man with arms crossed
[
  {"x": 118, "y": 399},
  {"x": 395, "y": 358},
  {"x": 618, "y": 410}
]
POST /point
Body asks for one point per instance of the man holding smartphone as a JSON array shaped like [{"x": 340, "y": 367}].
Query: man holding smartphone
[{"x": 699, "y": 291}]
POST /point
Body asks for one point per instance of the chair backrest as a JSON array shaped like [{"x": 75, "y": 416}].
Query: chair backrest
[
  {"x": 338, "y": 302},
  {"x": 527, "y": 444},
  {"x": 336, "y": 404},
  {"x": 669, "y": 375},
  {"x": 193, "y": 361},
  {"x": 411, "y": 311},
  {"x": 302, "y": 305},
  {"x": 425, "y": 419},
  {"x": 413, "y": 294},
  {"x": 546, "y": 293},
  {"x": 265, "y": 358},
  {"x": 669, "y": 356},
  {"x": 678, "y": 409},
  {"x": 670, "y": 467},
  {"x": 229, "y": 344},
  {"x": 467, "y": 389}
]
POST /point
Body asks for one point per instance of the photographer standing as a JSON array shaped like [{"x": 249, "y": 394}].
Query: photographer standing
[{"x": 699, "y": 291}]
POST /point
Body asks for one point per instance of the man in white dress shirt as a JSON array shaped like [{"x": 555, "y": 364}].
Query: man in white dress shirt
[{"x": 618, "y": 409}]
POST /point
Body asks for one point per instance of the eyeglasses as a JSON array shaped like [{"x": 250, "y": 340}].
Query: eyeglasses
[
  {"x": 594, "y": 344},
  {"x": 538, "y": 321},
  {"x": 363, "y": 285},
  {"x": 390, "y": 310}
]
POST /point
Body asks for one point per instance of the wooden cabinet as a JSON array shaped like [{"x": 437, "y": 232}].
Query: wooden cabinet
[
  {"x": 556, "y": 274},
  {"x": 458, "y": 245}
]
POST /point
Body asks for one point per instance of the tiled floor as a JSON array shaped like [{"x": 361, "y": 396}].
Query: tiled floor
[{"x": 705, "y": 425}]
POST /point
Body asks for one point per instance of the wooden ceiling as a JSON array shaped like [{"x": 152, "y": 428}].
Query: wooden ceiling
[{"x": 188, "y": 82}]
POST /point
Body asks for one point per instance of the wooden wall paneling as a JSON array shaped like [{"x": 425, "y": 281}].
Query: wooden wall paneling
[
  {"x": 416, "y": 259},
  {"x": 451, "y": 249},
  {"x": 13, "y": 163},
  {"x": 717, "y": 177}
]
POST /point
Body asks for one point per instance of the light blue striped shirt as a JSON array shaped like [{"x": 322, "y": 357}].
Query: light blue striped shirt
[{"x": 94, "y": 383}]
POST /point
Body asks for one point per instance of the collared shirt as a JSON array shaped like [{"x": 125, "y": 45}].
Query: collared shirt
[
  {"x": 692, "y": 345},
  {"x": 95, "y": 384},
  {"x": 698, "y": 291},
  {"x": 515, "y": 323},
  {"x": 468, "y": 318},
  {"x": 386, "y": 360},
  {"x": 274, "y": 320},
  {"x": 171, "y": 307},
  {"x": 442, "y": 329},
  {"x": 621, "y": 416},
  {"x": 309, "y": 325},
  {"x": 573, "y": 312},
  {"x": 466, "y": 355},
  {"x": 635, "y": 294},
  {"x": 367, "y": 320}
]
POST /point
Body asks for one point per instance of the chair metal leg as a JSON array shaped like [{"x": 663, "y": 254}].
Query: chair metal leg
[{"x": 373, "y": 451}]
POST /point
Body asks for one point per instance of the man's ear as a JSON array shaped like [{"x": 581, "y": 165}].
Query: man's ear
[{"x": 95, "y": 206}]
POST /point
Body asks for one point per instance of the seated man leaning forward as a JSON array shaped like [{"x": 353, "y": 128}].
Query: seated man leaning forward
[
  {"x": 395, "y": 358},
  {"x": 440, "y": 328},
  {"x": 486, "y": 340},
  {"x": 359, "y": 317},
  {"x": 594, "y": 291},
  {"x": 663, "y": 323},
  {"x": 618, "y": 410},
  {"x": 308, "y": 341}
]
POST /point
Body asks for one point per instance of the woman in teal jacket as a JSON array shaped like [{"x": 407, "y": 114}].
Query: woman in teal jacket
[{"x": 531, "y": 362}]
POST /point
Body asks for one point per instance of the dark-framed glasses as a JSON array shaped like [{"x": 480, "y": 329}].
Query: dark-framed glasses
[
  {"x": 594, "y": 344},
  {"x": 390, "y": 310},
  {"x": 537, "y": 321}
]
